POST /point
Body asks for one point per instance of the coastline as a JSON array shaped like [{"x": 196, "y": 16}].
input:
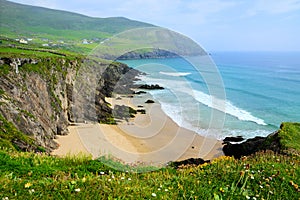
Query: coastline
[{"x": 151, "y": 139}]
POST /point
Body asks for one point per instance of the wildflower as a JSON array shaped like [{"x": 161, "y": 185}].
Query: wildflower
[
  {"x": 254, "y": 198},
  {"x": 28, "y": 185},
  {"x": 153, "y": 194},
  {"x": 129, "y": 179},
  {"x": 31, "y": 191},
  {"x": 166, "y": 190},
  {"x": 247, "y": 197},
  {"x": 73, "y": 182},
  {"x": 77, "y": 190},
  {"x": 122, "y": 178},
  {"x": 158, "y": 189},
  {"x": 222, "y": 190},
  {"x": 261, "y": 186},
  {"x": 102, "y": 173},
  {"x": 252, "y": 177},
  {"x": 109, "y": 179},
  {"x": 83, "y": 179},
  {"x": 267, "y": 180},
  {"x": 112, "y": 176},
  {"x": 270, "y": 192},
  {"x": 5, "y": 198},
  {"x": 209, "y": 182}
]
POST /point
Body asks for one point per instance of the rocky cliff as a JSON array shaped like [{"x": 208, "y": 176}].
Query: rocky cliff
[
  {"x": 284, "y": 140},
  {"x": 37, "y": 95}
]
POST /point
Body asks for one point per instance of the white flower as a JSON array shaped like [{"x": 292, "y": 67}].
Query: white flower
[
  {"x": 159, "y": 189},
  {"x": 247, "y": 197},
  {"x": 109, "y": 179},
  {"x": 153, "y": 194},
  {"x": 122, "y": 178},
  {"x": 5, "y": 198},
  {"x": 166, "y": 190},
  {"x": 102, "y": 173},
  {"x": 254, "y": 198},
  {"x": 77, "y": 190},
  {"x": 261, "y": 186},
  {"x": 112, "y": 176},
  {"x": 129, "y": 179}
]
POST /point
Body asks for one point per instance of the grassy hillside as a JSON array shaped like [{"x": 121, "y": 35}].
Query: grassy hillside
[
  {"x": 32, "y": 176},
  {"x": 59, "y": 28}
]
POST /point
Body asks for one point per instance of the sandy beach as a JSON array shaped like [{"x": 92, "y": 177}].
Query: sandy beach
[{"x": 152, "y": 138}]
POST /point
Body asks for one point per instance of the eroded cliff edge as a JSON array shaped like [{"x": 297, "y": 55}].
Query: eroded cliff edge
[{"x": 37, "y": 95}]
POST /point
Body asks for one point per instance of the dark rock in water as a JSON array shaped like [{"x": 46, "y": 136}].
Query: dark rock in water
[
  {"x": 151, "y": 87},
  {"x": 190, "y": 161},
  {"x": 253, "y": 145},
  {"x": 233, "y": 139},
  {"x": 140, "y": 106},
  {"x": 149, "y": 101}
]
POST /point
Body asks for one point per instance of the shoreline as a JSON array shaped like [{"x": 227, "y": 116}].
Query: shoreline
[{"x": 151, "y": 139}]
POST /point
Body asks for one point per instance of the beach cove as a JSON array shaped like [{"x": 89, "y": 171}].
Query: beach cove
[{"x": 149, "y": 139}]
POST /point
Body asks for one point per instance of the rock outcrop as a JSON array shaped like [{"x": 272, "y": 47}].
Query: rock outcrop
[
  {"x": 253, "y": 145},
  {"x": 151, "y": 87},
  {"x": 190, "y": 161}
]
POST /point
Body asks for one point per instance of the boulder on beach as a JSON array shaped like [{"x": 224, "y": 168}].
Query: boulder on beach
[{"x": 149, "y": 101}]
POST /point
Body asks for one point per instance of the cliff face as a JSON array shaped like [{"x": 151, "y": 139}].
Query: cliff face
[{"x": 37, "y": 95}]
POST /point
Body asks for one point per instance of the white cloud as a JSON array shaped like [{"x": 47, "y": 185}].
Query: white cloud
[{"x": 274, "y": 6}]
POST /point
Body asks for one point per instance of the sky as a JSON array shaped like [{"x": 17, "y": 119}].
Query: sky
[{"x": 216, "y": 25}]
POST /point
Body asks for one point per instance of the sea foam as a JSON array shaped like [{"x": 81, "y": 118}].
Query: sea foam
[{"x": 175, "y": 73}]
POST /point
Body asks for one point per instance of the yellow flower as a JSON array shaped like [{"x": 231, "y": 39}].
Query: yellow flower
[
  {"x": 28, "y": 185},
  {"x": 222, "y": 190}
]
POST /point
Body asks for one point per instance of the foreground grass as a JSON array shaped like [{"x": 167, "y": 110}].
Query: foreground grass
[{"x": 39, "y": 176}]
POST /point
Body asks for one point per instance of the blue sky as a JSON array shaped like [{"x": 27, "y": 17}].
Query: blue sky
[{"x": 217, "y": 25}]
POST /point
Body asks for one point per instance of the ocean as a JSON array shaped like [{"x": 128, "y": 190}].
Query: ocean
[{"x": 262, "y": 90}]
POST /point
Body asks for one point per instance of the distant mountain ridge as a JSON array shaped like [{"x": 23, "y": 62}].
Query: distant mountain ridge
[{"x": 19, "y": 19}]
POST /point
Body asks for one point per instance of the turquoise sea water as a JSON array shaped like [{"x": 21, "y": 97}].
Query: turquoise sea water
[{"x": 262, "y": 90}]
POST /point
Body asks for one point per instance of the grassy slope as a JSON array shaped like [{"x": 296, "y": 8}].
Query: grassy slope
[
  {"x": 19, "y": 21},
  {"x": 290, "y": 135},
  {"x": 32, "y": 176}
]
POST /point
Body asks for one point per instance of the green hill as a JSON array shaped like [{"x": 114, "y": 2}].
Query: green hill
[{"x": 59, "y": 28}]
